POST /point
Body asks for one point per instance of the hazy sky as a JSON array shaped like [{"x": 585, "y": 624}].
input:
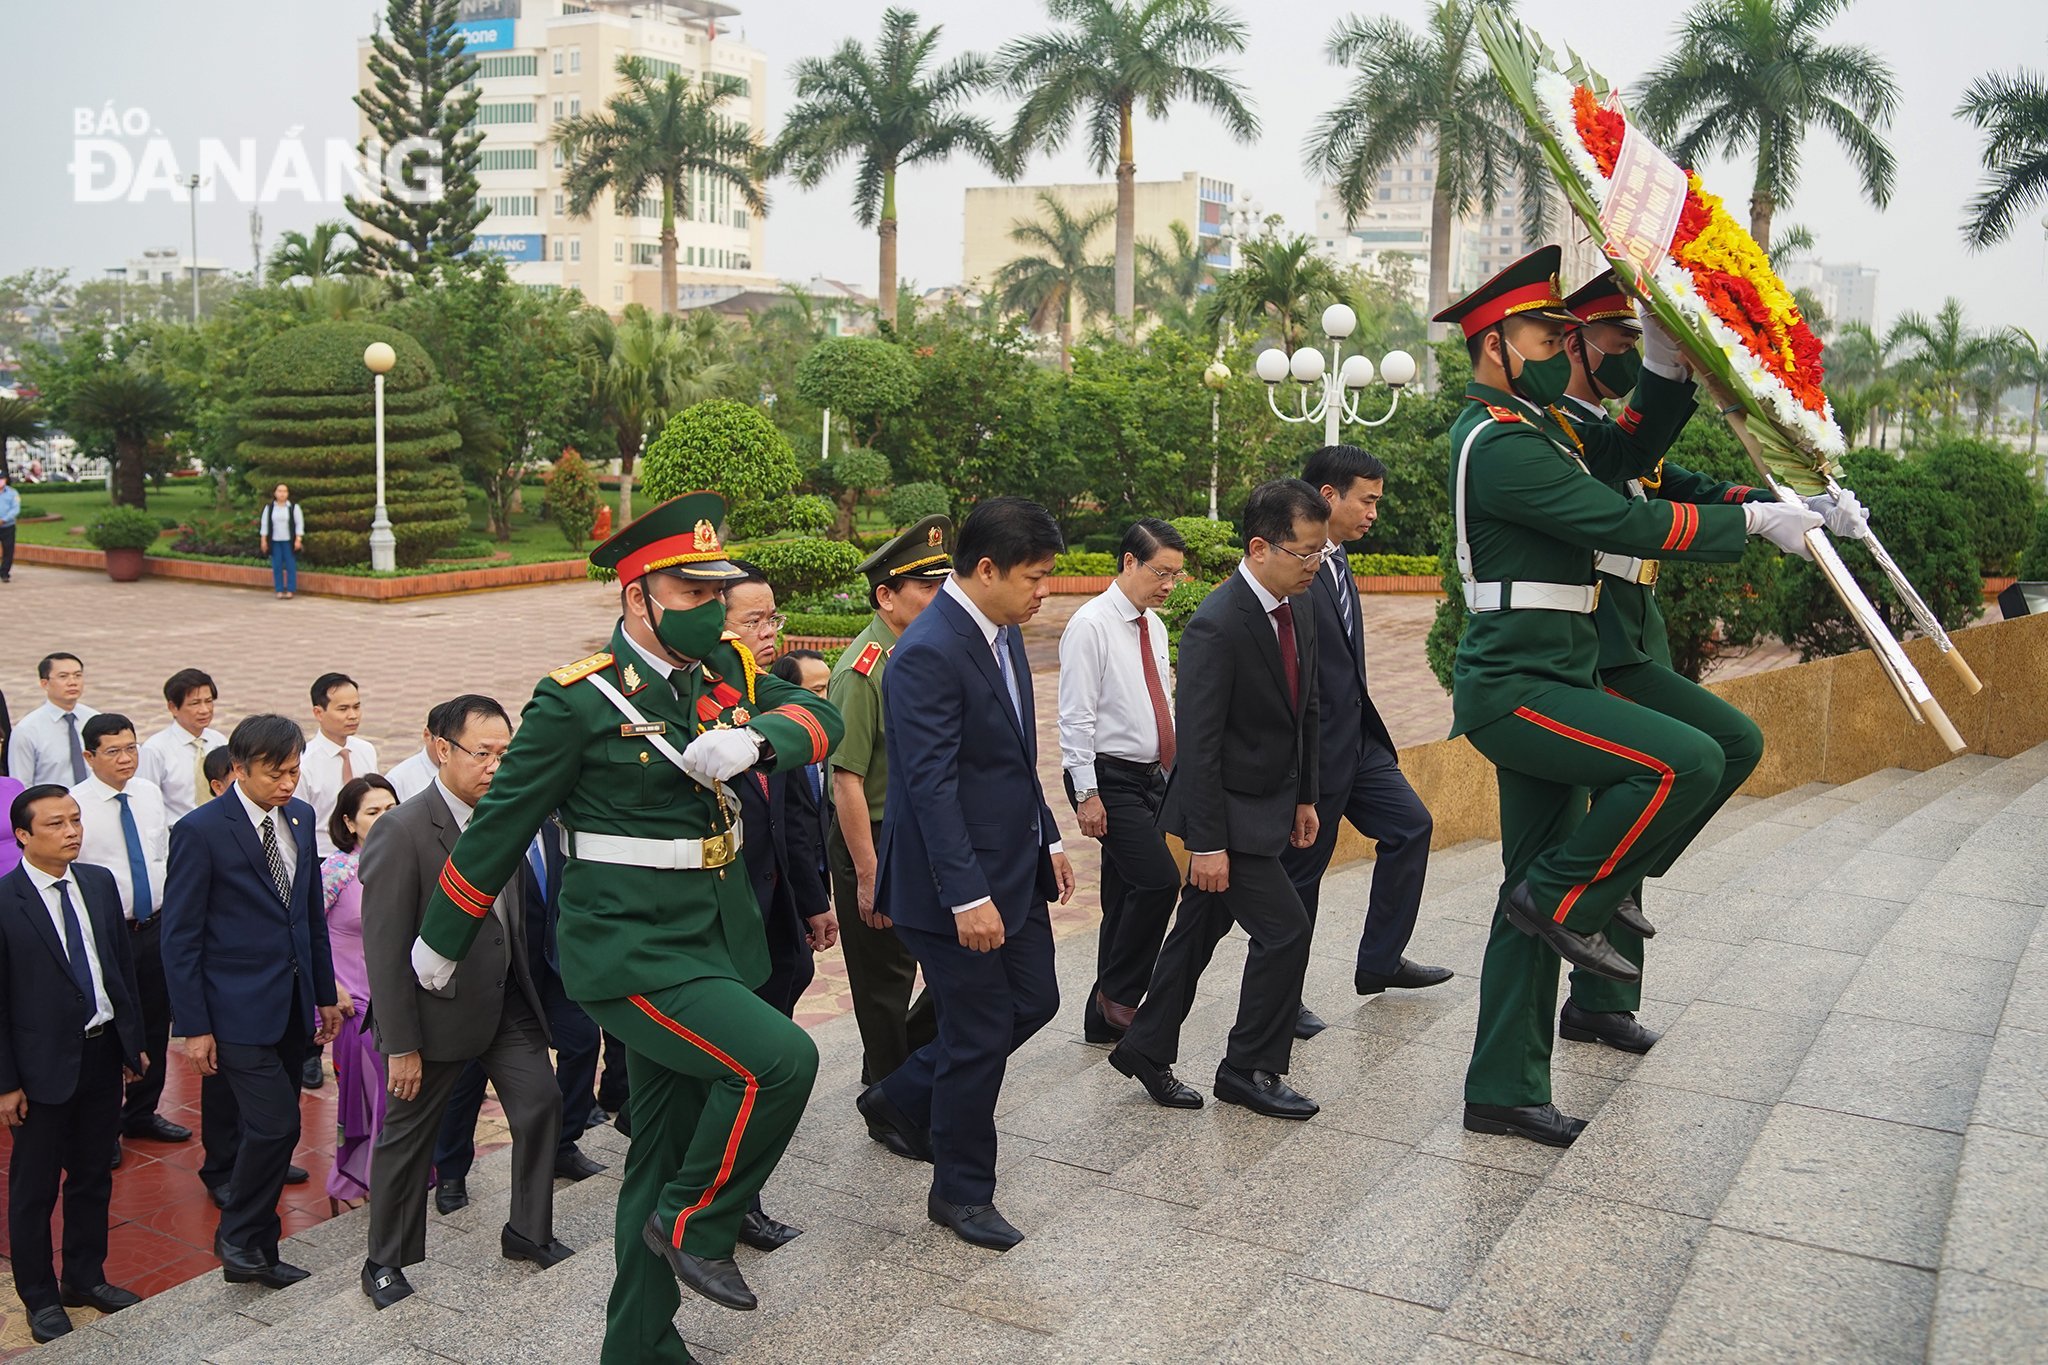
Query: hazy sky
[{"x": 264, "y": 69}]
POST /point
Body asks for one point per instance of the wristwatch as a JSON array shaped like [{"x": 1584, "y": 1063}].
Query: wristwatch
[{"x": 1081, "y": 798}]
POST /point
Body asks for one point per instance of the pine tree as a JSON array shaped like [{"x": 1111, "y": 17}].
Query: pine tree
[{"x": 420, "y": 70}]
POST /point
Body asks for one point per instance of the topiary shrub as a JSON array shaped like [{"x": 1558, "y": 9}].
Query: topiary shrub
[
  {"x": 1180, "y": 604},
  {"x": 1448, "y": 627},
  {"x": 1997, "y": 496},
  {"x": 807, "y": 514},
  {"x": 124, "y": 528},
  {"x": 810, "y": 565},
  {"x": 572, "y": 496},
  {"x": 309, "y": 421},
  {"x": 2033, "y": 564},
  {"x": 910, "y": 503},
  {"x": 1213, "y": 551},
  {"x": 730, "y": 448},
  {"x": 860, "y": 379}
]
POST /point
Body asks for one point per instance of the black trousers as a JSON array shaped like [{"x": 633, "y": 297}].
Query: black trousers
[
  {"x": 155, "y": 1004},
  {"x": 7, "y": 555},
  {"x": 263, "y": 1079},
  {"x": 73, "y": 1141},
  {"x": 613, "y": 1089},
  {"x": 1140, "y": 880},
  {"x": 881, "y": 973},
  {"x": 1262, "y": 900},
  {"x": 1384, "y": 808},
  {"x": 576, "y": 1043}
]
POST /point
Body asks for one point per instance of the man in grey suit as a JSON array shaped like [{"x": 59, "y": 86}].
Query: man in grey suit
[{"x": 490, "y": 1013}]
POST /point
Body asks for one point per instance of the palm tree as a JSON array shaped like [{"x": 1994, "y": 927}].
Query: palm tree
[
  {"x": 2029, "y": 360},
  {"x": 1171, "y": 278},
  {"x": 2013, "y": 110},
  {"x": 330, "y": 251},
  {"x": 1944, "y": 352},
  {"x": 661, "y": 134},
  {"x": 645, "y": 367},
  {"x": 132, "y": 406},
  {"x": 1434, "y": 89},
  {"x": 1279, "y": 282},
  {"x": 1117, "y": 57},
  {"x": 1790, "y": 240},
  {"x": 1059, "y": 277},
  {"x": 21, "y": 419},
  {"x": 1858, "y": 364},
  {"x": 890, "y": 109},
  {"x": 1753, "y": 78}
]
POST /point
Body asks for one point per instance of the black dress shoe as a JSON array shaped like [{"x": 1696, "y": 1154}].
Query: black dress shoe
[
  {"x": 978, "y": 1224},
  {"x": 47, "y": 1324},
  {"x": 1263, "y": 1092},
  {"x": 1159, "y": 1081},
  {"x": 1094, "y": 1026},
  {"x": 517, "y": 1248},
  {"x": 1536, "y": 1122},
  {"x": 573, "y": 1165},
  {"x": 450, "y": 1195},
  {"x": 238, "y": 1266},
  {"x": 313, "y": 1073},
  {"x": 882, "y": 1115},
  {"x": 895, "y": 1142},
  {"x": 763, "y": 1233},
  {"x": 1616, "y": 1028},
  {"x": 1409, "y": 976},
  {"x": 1307, "y": 1023},
  {"x": 157, "y": 1128},
  {"x": 115, "y": 1164},
  {"x": 385, "y": 1284},
  {"x": 717, "y": 1280},
  {"x": 108, "y": 1298},
  {"x": 221, "y": 1195},
  {"x": 1631, "y": 914},
  {"x": 1591, "y": 951},
  {"x": 295, "y": 1175}
]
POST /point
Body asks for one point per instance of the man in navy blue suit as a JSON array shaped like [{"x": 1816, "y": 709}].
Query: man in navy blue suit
[
  {"x": 970, "y": 855},
  {"x": 250, "y": 974}
]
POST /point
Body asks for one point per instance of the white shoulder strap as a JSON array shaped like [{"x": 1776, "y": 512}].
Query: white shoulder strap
[{"x": 632, "y": 713}]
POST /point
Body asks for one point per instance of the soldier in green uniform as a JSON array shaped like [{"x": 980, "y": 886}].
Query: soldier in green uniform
[
  {"x": 660, "y": 939},
  {"x": 903, "y": 577},
  {"x": 1532, "y": 507}
]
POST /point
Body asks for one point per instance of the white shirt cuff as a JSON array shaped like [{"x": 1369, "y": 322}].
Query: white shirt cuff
[
  {"x": 1209, "y": 854},
  {"x": 1056, "y": 846},
  {"x": 973, "y": 905},
  {"x": 1675, "y": 373}
]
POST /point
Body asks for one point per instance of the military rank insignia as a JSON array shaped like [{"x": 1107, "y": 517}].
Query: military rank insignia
[{"x": 869, "y": 657}]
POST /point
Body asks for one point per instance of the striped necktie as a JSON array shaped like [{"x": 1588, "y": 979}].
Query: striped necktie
[{"x": 280, "y": 870}]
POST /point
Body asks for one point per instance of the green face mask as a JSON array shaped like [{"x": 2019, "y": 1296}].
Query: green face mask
[
  {"x": 1542, "y": 382},
  {"x": 690, "y": 633},
  {"x": 1616, "y": 373}
]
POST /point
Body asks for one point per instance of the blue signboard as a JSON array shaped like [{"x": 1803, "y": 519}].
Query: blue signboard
[
  {"x": 486, "y": 35},
  {"x": 512, "y": 246}
]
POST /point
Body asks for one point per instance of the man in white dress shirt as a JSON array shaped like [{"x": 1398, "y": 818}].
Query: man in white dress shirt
[
  {"x": 1117, "y": 746},
  {"x": 48, "y": 745},
  {"x": 334, "y": 756},
  {"x": 127, "y": 833},
  {"x": 174, "y": 758},
  {"x": 409, "y": 777}
]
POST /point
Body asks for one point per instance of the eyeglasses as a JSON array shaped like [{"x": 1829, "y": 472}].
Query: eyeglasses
[
  {"x": 1317, "y": 558},
  {"x": 490, "y": 758},
  {"x": 1168, "y": 575},
  {"x": 754, "y": 624}
]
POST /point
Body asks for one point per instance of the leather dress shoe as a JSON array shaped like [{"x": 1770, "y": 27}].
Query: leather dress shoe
[
  {"x": 1616, "y": 1028},
  {"x": 313, "y": 1073},
  {"x": 763, "y": 1233},
  {"x": 157, "y": 1128},
  {"x": 717, "y": 1280},
  {"x": 238, "y": 1266},
  {"x": 451, "y": 1195},
  {"x": 119, "y": 1155},
  {"x": 517, "y": 1248},
  {"x": 385, "y": 1284},
  {"x": 1631, "y": 914},
  {"x": 1536, "y": 1122},
  {"x": 1160, "y": 1083},
  {"x": 221, "y": 1195},
  {"x": 1591, "y": 951},
  {"x": 1263, "y": 1092},
  {"x": 1409, "y": 976},
  {"x": 47, "y": 1324},
  {"x": 295, "y": 1175},
  {"x": 1307, "y": 1023},
  {"x": 108, "y": 1298},
  {"x": 882, "y": 1115},
  {"x": 977, "y": 1224},
  {"x": 1097, "y": 1023},
  {"x": 573, "y": 1165}
]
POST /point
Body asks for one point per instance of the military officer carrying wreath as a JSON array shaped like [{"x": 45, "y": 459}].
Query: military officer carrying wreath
[
  {"x": 1531, "y": 508},
  {"x": 660, "y": 939}
]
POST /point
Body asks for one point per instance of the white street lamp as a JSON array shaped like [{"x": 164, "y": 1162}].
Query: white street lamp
[
  {"x": 383, "y": 544},
  {"x": 1340, "y": 377}
]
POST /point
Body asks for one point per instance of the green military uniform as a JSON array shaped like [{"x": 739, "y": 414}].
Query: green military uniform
[
  {"x": 660, "y": 939},
  {"x": 1532, "y": 504},
  {"x": 879, "y": 969}
]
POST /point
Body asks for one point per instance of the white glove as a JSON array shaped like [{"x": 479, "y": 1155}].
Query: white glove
[
  {"x": 1782, "y": 524},
  {"x": 1661, "y": 354},
  {"x": 1841, "y": 514},
  {"x": 433, "y": 970},
  {"x": 719, "y": 755}
]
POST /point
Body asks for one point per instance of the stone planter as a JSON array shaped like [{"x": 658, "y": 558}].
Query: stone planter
[{"x": 124, "y": 566}]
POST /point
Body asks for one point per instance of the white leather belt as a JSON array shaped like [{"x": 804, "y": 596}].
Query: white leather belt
[
  {"x": 664, "y": 854},
  {"x": 1580, "y": 598},
  {"x": 1643, "y": 571}
]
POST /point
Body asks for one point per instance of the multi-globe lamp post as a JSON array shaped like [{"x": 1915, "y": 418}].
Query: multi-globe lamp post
[
  {"x": 383, "y": 544},
  {"x": 1341, "y": 376}
]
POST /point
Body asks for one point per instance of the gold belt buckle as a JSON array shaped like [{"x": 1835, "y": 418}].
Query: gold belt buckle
[
  {"x": 718, "y": 849},
  {"x": 1596, "y": 595},
  {"x": 1647, "y": 575}
]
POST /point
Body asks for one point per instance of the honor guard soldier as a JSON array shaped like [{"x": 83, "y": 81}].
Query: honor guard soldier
[
  {"x": 903, "y": 577},
  {"x": 1532, "y": 507},
  {"x": 659, "y": 938}
]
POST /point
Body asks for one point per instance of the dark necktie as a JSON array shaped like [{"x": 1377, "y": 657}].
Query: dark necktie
[
  {"x": 1347, "y": 594},
  {"x": 1283, "y": 616},
  {"x": 74, "y": 950},
  {"x": 280, "y": 870},
  {"x": 77, "y": 749},
  {"x": 1005, "y": 665},
  {"x": 138, "y": 866},
  {"x": 1155, "y": 690}
]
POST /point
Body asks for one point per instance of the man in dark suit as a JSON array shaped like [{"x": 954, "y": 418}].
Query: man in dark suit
[
  {"x": 489, "y": 1011},
  {"x": 250, "y": 975},
  {"x": 1243, "y": 790},
  {"x": 970, "y": 855},
  {"x": 1361, "y": 776},
  {"x": 70, "y": 1033}
]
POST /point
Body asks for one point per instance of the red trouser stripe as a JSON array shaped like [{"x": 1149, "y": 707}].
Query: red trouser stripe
[
  {"x": 1666, "y": 776},
  {"x": 739, "y": 1125}
]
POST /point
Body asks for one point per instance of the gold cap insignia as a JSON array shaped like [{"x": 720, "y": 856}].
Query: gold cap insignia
[
  {"x": 935, "y": 537},
  {"x": 632, "y": 676},
  {"x": 706, "y": 536}
]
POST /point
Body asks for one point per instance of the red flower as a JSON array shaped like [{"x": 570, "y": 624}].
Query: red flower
[{"x": 1600, "y": 129}]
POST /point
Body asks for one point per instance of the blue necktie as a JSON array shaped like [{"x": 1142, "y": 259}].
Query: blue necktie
[
  {"x": 1004, "y": 667},
  {"x": 77, "y": 750},
  {"x": 138, "y": 866},
  {"x": 537, "y": 859},
  {"x": 74, "y": 950}
]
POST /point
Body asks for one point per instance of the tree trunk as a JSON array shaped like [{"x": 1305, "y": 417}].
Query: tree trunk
[
  {"x": 668, "y": 247},
  {"x": 130, "y": 487},
  {"x": 2034, "y": 433},
  {"x": 1439, "y": 268},
  {"x": 1067, "y": 329},
  {"x": 885, "y": 295},
  {"x": 629, "y": 451},
  {"x": 1762, "y": 207},
  {"x": 1126, "y": 226}
]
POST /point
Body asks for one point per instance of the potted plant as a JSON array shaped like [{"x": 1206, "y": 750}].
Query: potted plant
[{"x": 124, "y": 533}]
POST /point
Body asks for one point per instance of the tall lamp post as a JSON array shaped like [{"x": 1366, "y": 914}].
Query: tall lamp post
[
  {"x": 383, "y": 544},
  {"x": 192, "y": 184},
  {"x": 1340, "y": 377}
]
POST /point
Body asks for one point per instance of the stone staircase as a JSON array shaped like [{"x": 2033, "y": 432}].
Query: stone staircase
[{"x": 1839, "y": 1152}]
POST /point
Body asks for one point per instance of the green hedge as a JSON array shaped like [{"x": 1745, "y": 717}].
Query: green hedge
[
  {"x": 2034, "y": 561},
  {"x": 1393, "y": 566},
  {"x": 804, "y": 566},
  {"x": 845, "y": 624},
  {"x": 1084, "y": 563}
]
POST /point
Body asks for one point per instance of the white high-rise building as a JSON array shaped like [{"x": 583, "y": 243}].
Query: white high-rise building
[{"x": 1846, "y": 293}]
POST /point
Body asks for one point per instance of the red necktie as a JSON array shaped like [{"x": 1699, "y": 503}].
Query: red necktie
[
  {"x": 1161, "y": 716},
  {"x": 1283, "y": 616}
]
